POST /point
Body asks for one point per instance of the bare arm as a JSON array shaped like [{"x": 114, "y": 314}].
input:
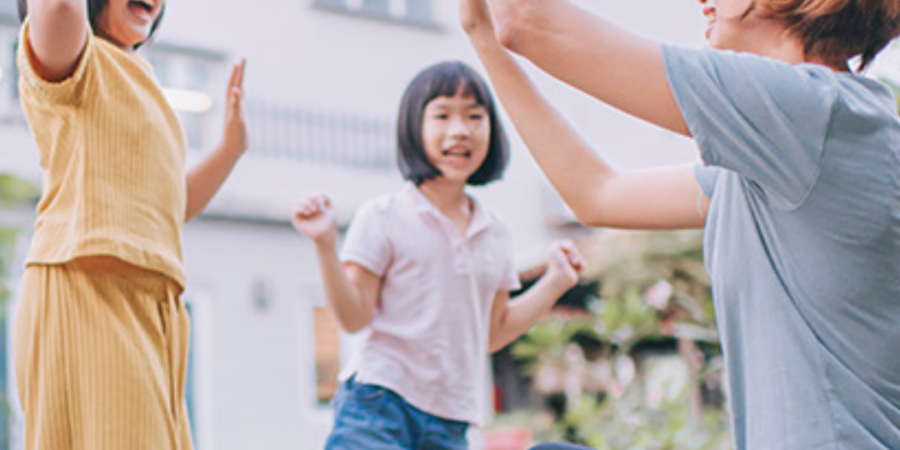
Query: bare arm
[
  {"x": 351, "y": 290},
  {"x": 207, "y": 177},
  {"x": 597, "y": 193},
  {"x": 591, "y": 54},
  {"x": 511, "y": 319},
  {"x": 58, "y": 31}
]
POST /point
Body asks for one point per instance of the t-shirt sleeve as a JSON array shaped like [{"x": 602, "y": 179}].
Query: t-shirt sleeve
[
  {"x": 707, "y": 178},
  {"x": 366, "y": 242},
  {"x": 761, "y": 118},
  {"x": 67, "y": 91}
]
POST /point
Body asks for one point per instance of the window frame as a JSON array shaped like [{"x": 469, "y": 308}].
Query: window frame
[{"x": 357, "y": 9}]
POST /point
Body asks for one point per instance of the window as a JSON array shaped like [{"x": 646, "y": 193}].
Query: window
[
  {"x": 410, "y": 12},
  {"x": 9, "y": 11},
  {"x": 327, "y": 138}
]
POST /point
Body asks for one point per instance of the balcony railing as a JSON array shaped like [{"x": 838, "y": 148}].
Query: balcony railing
[{"x": 320, "y": 137}]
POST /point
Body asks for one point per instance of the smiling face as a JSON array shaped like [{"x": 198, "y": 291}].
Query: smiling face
[
  {"x": 456, "y": 135},
  {"x": 128, "y": 23}
]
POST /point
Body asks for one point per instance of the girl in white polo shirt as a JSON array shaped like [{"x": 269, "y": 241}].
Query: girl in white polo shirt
[{"x": 426, "y": 272}]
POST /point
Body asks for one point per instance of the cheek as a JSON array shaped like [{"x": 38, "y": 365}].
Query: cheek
[
  {"x": 483, "y": 134},
  {"x": 734, "y": 9},
  {"x": 432, "y": 134}
]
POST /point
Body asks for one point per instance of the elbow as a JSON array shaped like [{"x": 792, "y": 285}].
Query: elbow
[
  {"x": 355, "y": 325},
  {"x": 590, "y": 219},
  {"x": 65, "y": 8},
  {"x": 495, "y": 346},
  {"x": 595, "y": 205},
  {"x": 587, "y": 211},
  {"x": 352, "y": 328}
]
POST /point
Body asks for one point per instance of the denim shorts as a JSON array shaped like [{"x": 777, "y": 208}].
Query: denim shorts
[{"x": 369, "y": 417}]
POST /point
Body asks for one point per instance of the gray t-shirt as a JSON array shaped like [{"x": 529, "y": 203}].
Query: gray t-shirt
[{"x": 803, "y": 245}]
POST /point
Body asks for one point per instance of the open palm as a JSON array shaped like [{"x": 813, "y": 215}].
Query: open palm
[{"x": 235, "y": 136}]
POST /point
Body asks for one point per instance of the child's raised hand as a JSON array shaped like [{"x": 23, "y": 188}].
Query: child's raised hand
[
  {"x": 235, "y": 137},
  {"x": 315, "y": 218},
  {"x": 564, "y": 264}
]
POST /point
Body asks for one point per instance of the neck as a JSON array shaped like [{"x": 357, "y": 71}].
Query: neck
[{"x": 448, "y": 197}]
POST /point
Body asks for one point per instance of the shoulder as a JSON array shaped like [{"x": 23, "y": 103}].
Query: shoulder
[
  {"x": 384, "y": 208},
  {"x": 749, "y": 70},
  {"x": 497, "y": 225}
]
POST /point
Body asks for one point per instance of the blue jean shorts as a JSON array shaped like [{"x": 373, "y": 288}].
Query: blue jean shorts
[{"x": 369, "y": 417}]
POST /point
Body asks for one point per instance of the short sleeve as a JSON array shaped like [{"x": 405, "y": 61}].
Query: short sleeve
[
  {"x": 707, "y": 178},
  {"x": 366, "y": 242},
  {"x": 64, "y": 92},
  {"x": 764, "y": 119}
]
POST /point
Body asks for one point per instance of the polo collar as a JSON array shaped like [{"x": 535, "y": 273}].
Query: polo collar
[{"x": 481, "y": 219}]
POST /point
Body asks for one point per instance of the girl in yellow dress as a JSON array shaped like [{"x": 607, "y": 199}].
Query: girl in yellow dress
[{"x": 101, "y": 336}]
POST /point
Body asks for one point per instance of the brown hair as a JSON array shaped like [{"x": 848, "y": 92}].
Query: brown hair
[
  {"x": 446, "y": 79},
  {"x": 837, "y": 30}
]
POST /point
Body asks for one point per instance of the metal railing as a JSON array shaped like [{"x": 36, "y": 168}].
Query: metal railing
[{"x": 320, "y": 137}]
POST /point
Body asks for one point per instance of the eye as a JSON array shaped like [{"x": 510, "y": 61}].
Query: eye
[
  {"x": 441, "y": 116},
  {"x": 476, "y": 116}
]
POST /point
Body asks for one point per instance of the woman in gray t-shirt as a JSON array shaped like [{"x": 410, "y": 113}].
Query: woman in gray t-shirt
[{"x": 799, "y": 190}]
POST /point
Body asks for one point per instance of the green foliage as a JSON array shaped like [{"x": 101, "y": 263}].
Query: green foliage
[
  {"x": 14, "y": 192},
  {"x": 653, "y": 287}
]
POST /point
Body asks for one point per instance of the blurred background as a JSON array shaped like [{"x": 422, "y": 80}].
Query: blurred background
[{"x": 629, "y": 358}]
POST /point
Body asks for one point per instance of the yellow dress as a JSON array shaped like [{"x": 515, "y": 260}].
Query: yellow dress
[{"x": 101, "y": 336}]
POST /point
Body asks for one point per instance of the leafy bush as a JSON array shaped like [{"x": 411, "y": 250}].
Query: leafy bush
[{"x": 654, "y": 293}]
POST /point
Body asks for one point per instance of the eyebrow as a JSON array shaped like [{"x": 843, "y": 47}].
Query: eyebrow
[{"x": 443, "y": 104}]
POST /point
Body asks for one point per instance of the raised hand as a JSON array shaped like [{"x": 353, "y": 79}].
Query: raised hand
[
  {"x": 564, "y": 264},
  {"x": 315, "y": 218},
  {"x": 235, "y": 137}
]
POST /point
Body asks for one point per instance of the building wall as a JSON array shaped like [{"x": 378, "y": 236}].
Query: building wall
[{"x": 254, "y": 282}]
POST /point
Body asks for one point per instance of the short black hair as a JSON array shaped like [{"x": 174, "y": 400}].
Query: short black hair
[
  {"x": 95, "y": 8},
  {"x": 446, "y": 79}
]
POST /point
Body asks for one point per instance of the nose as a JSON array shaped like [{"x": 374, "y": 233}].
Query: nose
[{"x": 458, "y": 127}]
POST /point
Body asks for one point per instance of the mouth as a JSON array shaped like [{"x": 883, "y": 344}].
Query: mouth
[
  {"x": 143, "y": 7},
  {"x": 710, "y": 13},
  {"x": 460, "y": 152}
]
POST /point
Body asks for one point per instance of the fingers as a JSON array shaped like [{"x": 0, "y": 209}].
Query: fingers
[
  {"x": 570, "y": 254},
  {"x": 237, "y": 76},
  {"x": 242, "y": 67},
  {"x": 312, "y": 206},
  {"x": 235, "y": 97}
]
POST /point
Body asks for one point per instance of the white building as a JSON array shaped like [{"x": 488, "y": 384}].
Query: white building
[{"x": 324, "y": 80}]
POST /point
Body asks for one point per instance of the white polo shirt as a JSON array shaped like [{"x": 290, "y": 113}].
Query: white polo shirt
[{"x": 428, "y": 340}]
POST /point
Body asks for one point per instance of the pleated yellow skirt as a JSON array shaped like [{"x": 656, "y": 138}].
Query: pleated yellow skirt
[{"x": 100, "y": 351}]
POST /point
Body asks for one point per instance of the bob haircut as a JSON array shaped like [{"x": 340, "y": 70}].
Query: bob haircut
[
  {"x": 95, "y": 8},
  {"x": 838, "y": 30},
  {"x": 446, "y": 79}
]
